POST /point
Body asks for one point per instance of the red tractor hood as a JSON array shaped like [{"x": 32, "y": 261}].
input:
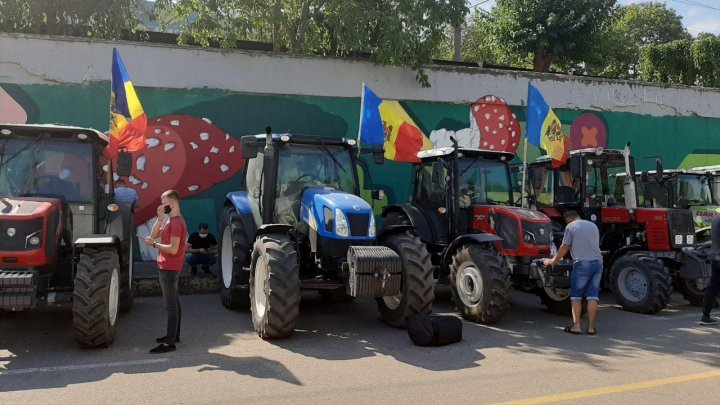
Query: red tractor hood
[{"x": 26, "y": 207}]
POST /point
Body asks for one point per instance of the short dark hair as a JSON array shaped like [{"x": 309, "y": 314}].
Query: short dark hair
[
  {"x": 171, "y": 194},
  {"x": 570, "y": 215},
  {"x": 203, "y": 225}
]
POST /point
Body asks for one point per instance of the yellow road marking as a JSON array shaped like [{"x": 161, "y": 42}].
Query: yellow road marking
[{"x": 614, "y": 389}]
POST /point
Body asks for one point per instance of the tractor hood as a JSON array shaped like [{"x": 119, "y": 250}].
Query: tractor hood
[
  {"x": 336, "y": 214},
  {"x": 26, "y": 206}
]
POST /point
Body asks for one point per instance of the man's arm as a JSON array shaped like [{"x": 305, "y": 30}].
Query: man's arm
[
  {"x": 564, "y": 249},
  {"x": 172, "y": 248}
]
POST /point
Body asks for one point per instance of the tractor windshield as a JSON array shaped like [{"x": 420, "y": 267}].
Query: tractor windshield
[
  {"x": 693, "y": 190},
  {"x": 715, "y": 186},
  {"x": 46, "y": 168},
  {"x": 484, "y": 182},
  {"x": 602, "y": 183}
]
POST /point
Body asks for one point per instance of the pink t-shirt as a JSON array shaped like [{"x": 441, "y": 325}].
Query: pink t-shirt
[{"x": 175, "y": 227}]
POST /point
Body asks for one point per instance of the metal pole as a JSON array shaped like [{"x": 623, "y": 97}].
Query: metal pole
[{"x": 522, "y": 201}]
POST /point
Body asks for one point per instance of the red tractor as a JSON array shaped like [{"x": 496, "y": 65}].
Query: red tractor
[
  {"x": 463, "y": 209},
  {"x": 643, "y": 248},
  {"x": 63, "y": 238}
]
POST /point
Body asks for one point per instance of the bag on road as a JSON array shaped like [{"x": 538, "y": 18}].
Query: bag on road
[{"x": 434, "y": 330}]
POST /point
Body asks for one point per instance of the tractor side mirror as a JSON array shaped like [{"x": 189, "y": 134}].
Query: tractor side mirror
[
  {"x": 124, "y": 164},
  {"x": 536, "y": 176},
  {"x": 379, "y": 157},
  {"x": 249, "y": 148},
  {"x": 576, "y": 167},
  {"x": 659, "y": 175},
  {"x": 437, "y": 171}
]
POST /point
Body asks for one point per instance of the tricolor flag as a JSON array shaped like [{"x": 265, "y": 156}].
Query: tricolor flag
[
  {"x": 127, "y": 118},
  {"x": 543, "y": 128},
  {"x": 385, "y": 122}
]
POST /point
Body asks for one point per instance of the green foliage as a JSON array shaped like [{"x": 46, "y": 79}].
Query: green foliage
[
  {"x": 706, "y": 58},
  {"x": 669, "y": 63},
  {"x": 102, "y": 19},
  {"x": 396, "y": 32}
]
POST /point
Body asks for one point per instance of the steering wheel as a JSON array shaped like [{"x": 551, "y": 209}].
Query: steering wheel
[
  {"x": 54, "y": 182},
  {"x": 311, "y": 176},
  {"x": 590, "y": 189}
]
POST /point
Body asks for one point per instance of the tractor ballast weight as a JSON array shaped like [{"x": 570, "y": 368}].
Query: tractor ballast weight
[
  {"x": 462, "y": 208},
  {"x": 63, "y": 237},
  {"x": 644, "y": 248},
  {"x": 298, "y": 223}
]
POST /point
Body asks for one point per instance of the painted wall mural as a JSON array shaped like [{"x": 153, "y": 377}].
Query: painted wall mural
[{"x": 193, "y": 136}]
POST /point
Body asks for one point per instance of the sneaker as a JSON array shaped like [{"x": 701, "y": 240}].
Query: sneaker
[
  {"x": 206, "y": 268},
  {"x": 163, "y": 348},
  {"x": 706, "y": 320}
]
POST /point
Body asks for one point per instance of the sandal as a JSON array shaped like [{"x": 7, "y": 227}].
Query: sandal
[
  {"x": 592, "y": 333},
  {"x": 568, "y": 329}
]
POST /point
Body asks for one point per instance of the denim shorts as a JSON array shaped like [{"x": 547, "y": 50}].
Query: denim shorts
[{"x": 585, "y": 280}]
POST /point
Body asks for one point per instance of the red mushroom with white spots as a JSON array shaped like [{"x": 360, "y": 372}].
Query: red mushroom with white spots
[{"x": 498, "y": 126}]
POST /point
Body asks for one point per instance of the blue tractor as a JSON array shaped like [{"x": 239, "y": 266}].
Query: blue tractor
[{"x": 298, "y": 223}]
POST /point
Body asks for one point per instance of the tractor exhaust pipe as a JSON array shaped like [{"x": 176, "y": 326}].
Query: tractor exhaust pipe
[
  {"x": 629, "y": 184},
  {"x": 268, "y": 187}
]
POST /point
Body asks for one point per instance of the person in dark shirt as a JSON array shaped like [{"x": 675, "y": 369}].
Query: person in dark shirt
[
  {"x": 201, "y": 246},
  {"x": 713, "y": 288}
]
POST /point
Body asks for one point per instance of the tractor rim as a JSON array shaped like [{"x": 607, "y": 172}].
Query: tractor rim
[
  {"x": 469, "y": 284},
  {"x": 393, "y": 301},
  {"x": 114, "y": 297},
  {"x": 558, "y": 294},
  {"x": 227, "y": 257},
  {"x": 261, "y": 288},
  {"x": 633, "y": 284}
]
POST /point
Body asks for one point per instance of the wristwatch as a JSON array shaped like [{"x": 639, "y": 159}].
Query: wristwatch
[{"x": 154, "y": 243}]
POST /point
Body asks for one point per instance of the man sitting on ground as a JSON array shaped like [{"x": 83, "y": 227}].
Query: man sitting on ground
[{"x": 201, "y": 246}]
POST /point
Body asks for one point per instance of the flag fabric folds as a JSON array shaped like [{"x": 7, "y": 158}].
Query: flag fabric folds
[
  {"x": 543, "y": 128},
  {"x": 386, "y": 123},
  {"x": 128, "y": 121}
]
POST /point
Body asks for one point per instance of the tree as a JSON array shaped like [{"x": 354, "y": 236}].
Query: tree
[
  {"x": 104, "y": 19},
  {"x": 669, "y": 63},
  {"x": 706, "y": 59},
  {"x": 549, "y": 30},
  {"x": 396, "y": 32}
]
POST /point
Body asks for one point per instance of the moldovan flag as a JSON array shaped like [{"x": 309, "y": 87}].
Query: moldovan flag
[
  {"x": 385, "y": 122},
  {"x": 543, "y": 128},
  {"x": 128, "y": 121}
]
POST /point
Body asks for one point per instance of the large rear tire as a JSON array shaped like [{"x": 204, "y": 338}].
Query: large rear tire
[
  {"x": 96, "y": 297},
  {"x": 416, "y": 289},
  {"x": 691, "y": 292},
  {"x": 641, "y": 283},
  {"x": 555, "y": 299},
  {"x": 234, "y": 249},
  {"x": 274, "y": 286},
  {"x": 480, "y": 284}
]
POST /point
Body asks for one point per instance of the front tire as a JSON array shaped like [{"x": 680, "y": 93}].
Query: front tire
[
  {"x": 556, "y": 300},
  {"x": 234, "y": 248},
  {"x": 480, "y": 284},
  {"x": 641, "y": 283},
  {"x": 274, "y": 286},
  {"x": 96, "y": 298},
  {"x": 691, "y": 292},
  {"x": 416, "y": 289}
]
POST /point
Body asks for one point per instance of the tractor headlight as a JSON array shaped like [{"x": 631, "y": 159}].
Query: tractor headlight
[
  {"x": 371, "y": 229},
  {"x": 678, "y": 239},
  {"x": 341, "y": 225},
  {"x": 528, "y": 237},
  {"x": 33, "y": 240},
  {"x": 690, "y": 239}
]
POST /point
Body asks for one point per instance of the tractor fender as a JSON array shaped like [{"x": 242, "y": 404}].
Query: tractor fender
[
  {"x": 417, "y": 220},
  {"x": 239, "y": 200},
  {"x": 391, "y": 229},
  {"x": 96, "y": 241},
  {"x": 480, "y": 238},
  {"x": 266, "y": 229}
]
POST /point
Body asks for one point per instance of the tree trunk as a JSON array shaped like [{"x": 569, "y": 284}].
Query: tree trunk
[{"x": 542, "y": 60}]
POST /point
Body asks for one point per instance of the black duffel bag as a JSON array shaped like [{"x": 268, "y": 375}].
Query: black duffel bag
[{"x": 434, "y": 330}]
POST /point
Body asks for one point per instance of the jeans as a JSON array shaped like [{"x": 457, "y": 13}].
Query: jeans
[
  {"x": 171, "y": 298},
  {"x": 585, "y": 280},
  {"x": 193, "y": 259},
  {"x": 712, "y": 290}
]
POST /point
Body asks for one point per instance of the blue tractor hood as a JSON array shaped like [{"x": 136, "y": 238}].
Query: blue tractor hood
[{"x": 320, "y": 208}]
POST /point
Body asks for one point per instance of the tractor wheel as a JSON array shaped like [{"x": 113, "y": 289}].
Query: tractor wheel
[
  {"x": 416, "y": 288},
  {"x": 641, "y": 283},
  {"x": 234, "y": 248},
  {"x": 480, "y": 284},
  {"x": 127, "y": 294},
  {"x": 274, "y": 286},
  {"x": 96, "y": 297},
  {"x": 556, "y": 299},
  {"x": 690, "y": 291}
]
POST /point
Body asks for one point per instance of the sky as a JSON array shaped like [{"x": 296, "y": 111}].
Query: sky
[{"x": 697, "y": 15}]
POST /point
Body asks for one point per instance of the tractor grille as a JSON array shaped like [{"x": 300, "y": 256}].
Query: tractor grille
[
  {"x": 542, "y": 233},
  {"x": 358, "y": 224},
  {"x": 23, "y": 229},
  {"x": 681, "y": 222},
  {"x": 507, "y": 228}
]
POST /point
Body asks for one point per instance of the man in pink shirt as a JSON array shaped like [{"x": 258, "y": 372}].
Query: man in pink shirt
[{"x": 170, "y": 259}]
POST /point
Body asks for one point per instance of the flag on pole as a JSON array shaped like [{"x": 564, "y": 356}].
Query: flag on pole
[
  {"x": 128, "y": 121},
  {"x": 543, "y": 128},
  {"x": 385, "y": 122}
]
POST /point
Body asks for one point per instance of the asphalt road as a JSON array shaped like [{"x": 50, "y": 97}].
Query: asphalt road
[{"x": 342, "y": 353}]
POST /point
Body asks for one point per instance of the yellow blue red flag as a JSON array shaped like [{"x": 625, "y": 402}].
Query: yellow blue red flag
[
  {"x": 385, "y": 122},
  {"x": 128, "y": 121},
  {"x": 543, "y": 128}
]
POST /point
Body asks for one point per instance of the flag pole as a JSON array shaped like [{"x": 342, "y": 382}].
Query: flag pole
[
  {"x": 362, "y": 108},
  {"x": 522, "y": 204}
]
